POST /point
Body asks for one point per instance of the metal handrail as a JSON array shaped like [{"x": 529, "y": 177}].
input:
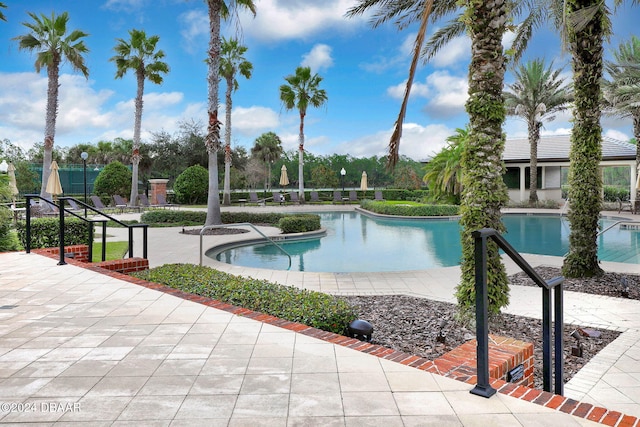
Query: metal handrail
[
  {"x": 601, "y": 232},
  {"x": 62, "y": 210},
  {"x": 483, "y": 387},
  {"x": 248, "y": 224}
]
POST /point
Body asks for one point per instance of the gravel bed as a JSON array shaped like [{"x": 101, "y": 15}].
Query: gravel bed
[{"x": 430, "y": 329}]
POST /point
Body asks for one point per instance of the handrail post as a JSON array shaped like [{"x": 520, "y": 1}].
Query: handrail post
[
  {"x": 28, "y": 219},
  {"x": 144, "y": 241},
  {"x": 483, "y": 387},
  {"x": 559, "y": 338},
  {"x": 547, "y": 375},
  {"x": 90, "y": 225},
  {"x": 130, "y": 242},
  {"x": 104, "y": 241},
  {"x": 61, "y": 231}
]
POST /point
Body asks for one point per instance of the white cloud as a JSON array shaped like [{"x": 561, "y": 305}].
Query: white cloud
[
  {"x": 293, "y": 19},
  {"x": 318, "y": 58},
  {"x": 195, "y": 26},
  {"x": 450, "y": 94},
  {"x": 616, "y": 134},
  {"x": 457, "y": 50},
  {"x": 253, "y": 120},
  {"x": 124, "y": 5},
  {"x": 417, "y": 89},
  {"x": 401, "y": 57},
  {"x": 418, "y": 142}
]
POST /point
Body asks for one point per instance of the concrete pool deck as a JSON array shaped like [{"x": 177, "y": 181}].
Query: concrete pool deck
[{"x": 129, "y": 354}]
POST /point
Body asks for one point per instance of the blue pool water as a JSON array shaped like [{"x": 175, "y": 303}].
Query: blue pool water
[{"x": 359, "y": 243}]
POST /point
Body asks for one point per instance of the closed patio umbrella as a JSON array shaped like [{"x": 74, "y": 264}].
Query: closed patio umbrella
[
  {"x": 53, "y": 184},
  {"x": 11, "y": 170},
  {"x": 284, "y": 179},
  {"x": 363, "y": 181}
]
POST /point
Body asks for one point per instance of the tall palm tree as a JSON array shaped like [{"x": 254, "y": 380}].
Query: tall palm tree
[
  {"x": 49, "y": 39},
  {"x": 267, "y": 148},
  {"x": 537, "y": 94},
  {"x": 232, "y": 62},
  {"x": 622, "y": 91},
  {"x": 140, "y": 55},
  {"x": 217, "y": 10},
  {"x": 443, "y": 173},
  {"x": 484, "y": 192},
  {"x": 2, "y": 6},
  {"x": 303, "y": 90}
]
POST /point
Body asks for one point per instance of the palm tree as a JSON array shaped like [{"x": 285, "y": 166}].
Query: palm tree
[
  {"x": 140, "y": 55},
  {"x": 49, "y": 39},
  {"x": 537, "y": 94},
  {"x": 622, "y": 91},
  {"x": 301, "y": 92},
  {"x": 231, "y": 62},
  {"x": 267, "y": 148},
  {"x": 443, "y": 173},
  {"x": 217, "y": 9},
  {"x": 2, "y": 6},
  {"x": 484, "y": 192}
]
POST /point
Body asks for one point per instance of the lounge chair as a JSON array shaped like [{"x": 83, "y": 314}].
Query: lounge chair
[
  {"x": 97, "y": 202},
  {"x": 293, "y": 196},
  {"x": 337, "y": 197},
  {"x": 314, "y": 197},
  {"x": 162, "y": 201},
  {"x": 353, "y": 196},
  {"x": 119, "y": 202},
  {"x": 74, "y": 207},
  {"x": 278, "y": 198},
  {"x": 144, "y": 202},
  {"x": 253, "y": 198},
  {"x": 378, "y": 196}
]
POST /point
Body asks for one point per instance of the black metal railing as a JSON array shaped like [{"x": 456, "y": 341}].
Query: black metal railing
[
  {"x": 483, "y": 387},
  {"x": 91, "y": 221}
]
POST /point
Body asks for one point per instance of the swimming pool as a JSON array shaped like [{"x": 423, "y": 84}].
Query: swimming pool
[{"x": 360, "y": 243}]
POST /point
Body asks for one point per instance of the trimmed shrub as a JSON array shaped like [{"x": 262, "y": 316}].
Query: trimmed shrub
[
  {"x": 299, "y": 223},
  {"x": 45, "y": 232},
  {"x": 8, "y": 240},
  {"x": 410, "y": 210},
  {"x": 173, "y": 217},
  {"x": 311, "y": 308},
  {"x": 192, "y": 185},
  {"x": 115, "y": 178},
  {"x": 613, "y": 194}
]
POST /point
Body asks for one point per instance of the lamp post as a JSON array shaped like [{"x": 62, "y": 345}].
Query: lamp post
[
  {"x": 342, "y": 174},
  {"x": 84, "y": 156}
]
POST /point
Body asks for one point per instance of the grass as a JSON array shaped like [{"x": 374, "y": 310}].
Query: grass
[{"x": 115, "y": 250}]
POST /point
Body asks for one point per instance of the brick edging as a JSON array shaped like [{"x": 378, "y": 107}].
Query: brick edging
[{"x": 559, "y": 403}]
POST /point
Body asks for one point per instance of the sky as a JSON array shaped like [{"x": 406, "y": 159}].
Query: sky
[{"x": 364, "y": 71}]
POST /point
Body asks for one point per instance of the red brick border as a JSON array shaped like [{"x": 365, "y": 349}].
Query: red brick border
[{"x": 465, "y": 374}]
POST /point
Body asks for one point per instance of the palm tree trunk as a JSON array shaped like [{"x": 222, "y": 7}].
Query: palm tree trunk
[
  {"x": 226, "y": 198},
  {"x": 301, "y": 159},
  {"x": 585, "y": 180},
  {"x": 137, "y": 127},
  {"x": 636, "y": 134},
  {"x": 212, "y": 140},
  {"x": 484, "y": 190},
  {"x": 50, "y": 125},
  {"x": 534, "y": 138}
]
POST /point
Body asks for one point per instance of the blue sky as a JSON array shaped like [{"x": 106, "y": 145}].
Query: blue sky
[{"x": 364, "y": 70}]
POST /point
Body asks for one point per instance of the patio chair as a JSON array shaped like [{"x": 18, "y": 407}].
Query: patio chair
[
  {"x": 314, "y": 197},
  {"x": 162, "y": 201},
  {"x": 337, "y": 197},
  {"x": 378, "y": 196},
  {"x": 353, "y": 196},
  {"x": 74, "y": 207},
  {"x": 144, "y": 202},
  {"x": 253, "y": 198},
  {"x": 119, "y": 202},
  {"x": 293, "y": 196},
  {"x": 278, "y": 198},
  {"x": 97, "y": 202}
]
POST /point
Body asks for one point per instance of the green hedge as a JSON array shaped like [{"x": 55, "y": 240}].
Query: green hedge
[
  {"x": 45, "y": 232},
  {"x": 410, "y": 210},
  {"x": 299, "y": 223},
  {"x": 311, "y": 308},
  {"x": 180, "y": 217}
]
